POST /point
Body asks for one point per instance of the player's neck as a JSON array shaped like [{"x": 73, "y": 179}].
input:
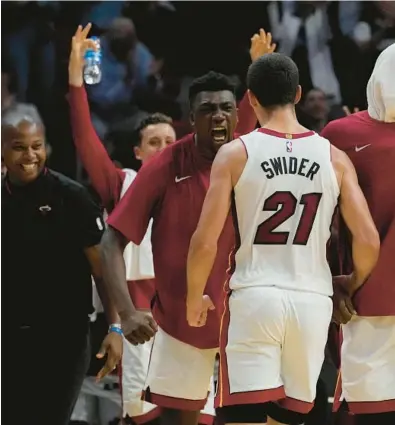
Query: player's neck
[{"x": 281, "y": 119}]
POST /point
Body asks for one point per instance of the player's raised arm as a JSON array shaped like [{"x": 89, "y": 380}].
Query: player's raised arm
[
  {"x": 261, "y": 44},
  {"x": 203, "y": 246},
  {"x": 106, "y": 178},
  {"x": 355, "y": 212}
]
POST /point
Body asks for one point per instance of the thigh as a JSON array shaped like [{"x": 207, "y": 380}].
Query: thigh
[
  {"x": 250, "y": 347},
  {"x": 368, "y": 364},
  {"x": 68, "y": 369},
  {"x": 135, "y": 361},
  {"x": 303, "y": 354},
  {"x": 178, "y": 374},
  {"x": 51, "y": 368}
]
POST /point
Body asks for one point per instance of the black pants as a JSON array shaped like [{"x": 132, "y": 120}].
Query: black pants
[{"x": 44, "y": 369}]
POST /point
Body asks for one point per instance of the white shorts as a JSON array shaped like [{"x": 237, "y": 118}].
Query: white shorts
[
  {"x": 180, "y": 376},
  {"x": 98, "y": 402},
  {"x": 368, "y": 364},
  {"x": 135, "y": 361},
  {"x": 272, "y": 347}
]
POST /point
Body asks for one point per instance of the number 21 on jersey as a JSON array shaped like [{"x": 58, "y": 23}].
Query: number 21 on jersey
[{"x": 284, "y": 206}]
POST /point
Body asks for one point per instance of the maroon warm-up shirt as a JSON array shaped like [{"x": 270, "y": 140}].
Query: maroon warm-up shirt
[
  {"x": 370, "y": 144},
  {"x": 107, "y": 179},
  {"x": 171, "y": 189}
]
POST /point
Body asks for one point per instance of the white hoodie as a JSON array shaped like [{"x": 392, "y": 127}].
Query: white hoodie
[{"x": 381, "y": 87}]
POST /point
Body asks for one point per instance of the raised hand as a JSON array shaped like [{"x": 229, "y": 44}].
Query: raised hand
[
  {"x": 261, "y": 44},
  {"x": 347, "y": 111},
  {"x": 79, "y": 45}
]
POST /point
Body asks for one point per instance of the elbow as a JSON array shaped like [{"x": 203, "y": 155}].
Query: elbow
[
  {"x": 112, "y": 240},
  {"x": 202, "y": 247}
]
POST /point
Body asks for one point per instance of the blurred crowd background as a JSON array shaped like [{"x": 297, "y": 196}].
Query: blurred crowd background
[
  {"x": 163, "y": 45},
  {"x": 151, "y": 51}
]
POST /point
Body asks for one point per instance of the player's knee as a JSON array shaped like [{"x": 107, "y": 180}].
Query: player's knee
[
  {"x": 284, "y": 416},
  {"x": 243, "y": 413}
]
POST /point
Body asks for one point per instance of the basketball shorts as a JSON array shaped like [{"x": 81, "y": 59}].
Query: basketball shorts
[
  {"x": 134, "y": 368},
  {"x": 368, "y": 364},
  {"x": 272, "y": 347},
  {"x": 180, "y": 376}
]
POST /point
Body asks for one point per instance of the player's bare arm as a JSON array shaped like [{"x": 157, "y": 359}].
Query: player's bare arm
[
  {"x": 112, "y": 344},
  {"x": 355, "y": 212},
  {"x": 227, "y": 167},
  {"x": 137, "y": 326}
]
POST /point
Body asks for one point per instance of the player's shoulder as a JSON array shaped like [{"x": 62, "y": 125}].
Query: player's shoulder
[
  {"x": 64, "y": 183},
  {"x": 335, "y": 130},
  {"x": 70, "y": 190}
]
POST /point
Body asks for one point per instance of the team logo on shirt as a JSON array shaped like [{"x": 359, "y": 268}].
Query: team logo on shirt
[
  {"x": 289, "y": 146},
  {"x": 44, "y": 209}
]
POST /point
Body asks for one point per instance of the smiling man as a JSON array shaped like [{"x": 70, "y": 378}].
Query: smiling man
[{"x": 50, "y": 236}]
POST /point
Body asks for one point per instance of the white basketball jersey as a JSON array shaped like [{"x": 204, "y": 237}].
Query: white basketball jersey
[
  {"x": 138, "y": 258},
  {"x": 285, "y": 200}
]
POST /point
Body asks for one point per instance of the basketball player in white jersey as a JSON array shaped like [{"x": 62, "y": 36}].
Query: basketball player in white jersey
[{"x": 286, "y": 183}]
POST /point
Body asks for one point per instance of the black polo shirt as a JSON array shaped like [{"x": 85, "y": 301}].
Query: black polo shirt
[{"x": 45, "y": 227}]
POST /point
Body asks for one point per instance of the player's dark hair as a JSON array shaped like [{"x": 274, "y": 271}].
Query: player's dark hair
[
  {"x": 20, "y": 112},
  {"x": 152, "y": 119},
  {"x": 273, "y": 79},
  {"x": 212, "y": 81}
]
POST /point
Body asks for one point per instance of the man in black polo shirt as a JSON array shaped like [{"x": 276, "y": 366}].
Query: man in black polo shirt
[{"x": 51, "y": 229}]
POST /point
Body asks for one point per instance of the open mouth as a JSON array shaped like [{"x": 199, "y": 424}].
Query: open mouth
[
  {"x": 219, "y": 134},
  {"x": 29, "y": 168}
]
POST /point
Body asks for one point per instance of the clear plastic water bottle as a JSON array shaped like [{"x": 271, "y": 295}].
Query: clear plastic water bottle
[{"x": 92, "y": 69}]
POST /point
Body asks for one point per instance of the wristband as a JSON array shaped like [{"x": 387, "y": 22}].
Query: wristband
[{"x": 115, "y": 328}]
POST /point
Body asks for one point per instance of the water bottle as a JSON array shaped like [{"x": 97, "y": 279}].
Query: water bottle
[{"x": 92, "y": 69}]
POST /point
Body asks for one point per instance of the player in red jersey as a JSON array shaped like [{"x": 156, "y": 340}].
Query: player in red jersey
[
  {"x": 110, "y": 181},
  {"x": 368, "y": 349},
  {"x": 171, "y": 189},
  {"x": 277, "y": 313},
  {"x": 152, "y": 135}
]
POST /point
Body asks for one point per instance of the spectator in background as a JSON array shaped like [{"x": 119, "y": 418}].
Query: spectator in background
[
  {"x": 303, "y": 33},
  {"x": 314, "y": 110},
  {"x": 101, "y": 14},
  {"x": 29, "y": 44},
  {"x": 126, "y": 66},
  {"x": 8, "y": 86}
]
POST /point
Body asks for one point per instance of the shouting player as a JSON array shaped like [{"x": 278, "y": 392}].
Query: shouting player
[
  {"x": 368, "y": 349},
  {"x": 155, "y": 133},
  {"x": 170, "y": 189},
  {"x": 285, "y": 182}
]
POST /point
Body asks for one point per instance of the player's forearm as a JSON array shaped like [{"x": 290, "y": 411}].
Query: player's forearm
[
  {"x": 365, "y": 253},
  {"x": 114, "y": 272},
  {"x": 109, "y": 307},
  {"x": 200, "y": 261}
]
